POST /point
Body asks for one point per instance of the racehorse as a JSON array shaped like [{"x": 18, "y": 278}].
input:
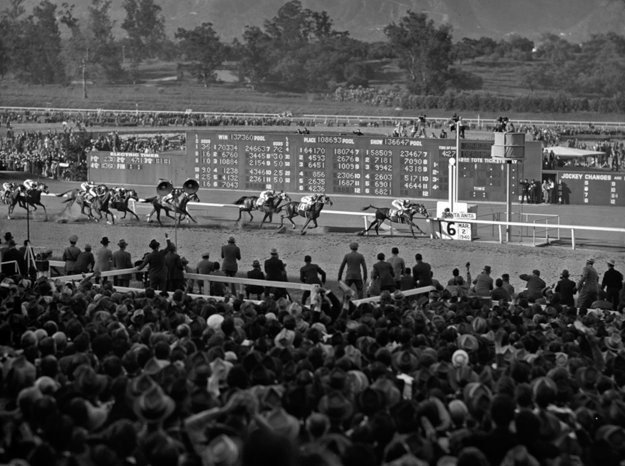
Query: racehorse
[
  {"x": 180, "y": 208},
  {"x": 390, "y": 214},
  {"x": 7, "y": 189},
  {"x": 122, "y": 205},
  {"x": 31, "y": 198},
  {"x": 293, "y": 209},
  {"x": 78, "y": 196},
  {"x": 249, "y": 203}
]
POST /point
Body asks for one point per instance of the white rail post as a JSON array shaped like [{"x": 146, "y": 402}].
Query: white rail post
[
  {"x": 500, "y": 236},
  {"x": 572, "y": 238}
]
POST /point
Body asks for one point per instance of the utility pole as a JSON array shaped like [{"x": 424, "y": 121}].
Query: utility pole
[{"x": 85, "y": 59}]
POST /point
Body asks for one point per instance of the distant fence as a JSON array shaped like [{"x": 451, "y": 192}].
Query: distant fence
[{"x": 346, "y": 119}]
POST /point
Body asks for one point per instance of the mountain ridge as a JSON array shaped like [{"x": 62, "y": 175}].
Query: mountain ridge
[{"x": 575, "y": 20}]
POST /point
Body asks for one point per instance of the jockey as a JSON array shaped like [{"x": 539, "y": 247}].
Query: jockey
[
  {"x": 307, "y": 202},
  {"x": 88, "y": 187},
  {"x": 119, "y": 193},
  {"x": 30, "y": 184},
  {"x": 401, "y": 205},
  {"x": 172, "y": 196},
  {"x": 265, "y": 197}
]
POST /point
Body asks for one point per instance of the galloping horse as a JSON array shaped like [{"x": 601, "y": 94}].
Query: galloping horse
[
  {"x": 31, "y": 198},
  {"x": 390, "y": 214},
  {"x": 78, "y": 196},
  {"x": 180, "y": 208},
  {"x": 248, "y": 203},
  {"x": 293, "y": 209},
  {"x": 122, "y": 205}
]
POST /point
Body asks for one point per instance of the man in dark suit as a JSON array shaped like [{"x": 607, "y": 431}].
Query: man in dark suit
[
  {"x": 354, "y": 261},
  {"x": 383, "y": 271},
  {"x": 230, "y": 253},
  {"x": 309, "y": 274},
  {"x": 85, "y": 261},
  {"x": 204, "y": 267},
  {"x": 158, "y": 266},
  {"x": 275, "y": 271},
  {"x": 422, "y": 272},
  {"x": 122, "y": 260},
  {"x": 255, "y": 274},
  {"x": 175, "y": 270},
  {"x": 567, "y": 289},
  {"x": 12, "y": 254}
]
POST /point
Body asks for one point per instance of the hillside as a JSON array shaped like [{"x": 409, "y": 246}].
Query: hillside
[{"x": 366, "y": 19}]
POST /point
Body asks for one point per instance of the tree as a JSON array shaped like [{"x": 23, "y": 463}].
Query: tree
[
  {"x": 202, "y": 46},
  {"x": 103, "y": 50},
  {"x": 424, "y": 52},
  {"x": 145, "y": 26},
  {"x": 253, "y": 52}
]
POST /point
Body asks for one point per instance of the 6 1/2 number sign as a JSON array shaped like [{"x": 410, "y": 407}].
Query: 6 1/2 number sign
[{"x": 459, "y": 231}]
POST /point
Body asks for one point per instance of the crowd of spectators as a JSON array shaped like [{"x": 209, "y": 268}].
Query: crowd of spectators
[
  {"x": 37, "y": 152},
  {"x": 472, "y": 373},
  {"x": 145, "y": 143}
]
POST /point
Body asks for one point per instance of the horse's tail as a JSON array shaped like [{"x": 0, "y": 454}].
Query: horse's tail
[
  {"x": 148, "y": 200},
  {"x": 369, "y": 207},
  {"x": 240, "y": 201},
  {"x": 63, "y": 194}
]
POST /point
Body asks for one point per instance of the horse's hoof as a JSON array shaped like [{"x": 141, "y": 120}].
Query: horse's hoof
[
  {"x": 361, "y": 233},
  {"x": 303, "y": 233}
]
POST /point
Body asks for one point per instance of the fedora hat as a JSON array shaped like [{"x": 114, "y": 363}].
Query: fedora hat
[
  {"x": 370, "y": 401},
  {"x": 122, "y": 243},
  {"x": 614, "y": 342},
  {"x": 273, "y": 251},
  {"x": 468, "y": 342},
  {"x": 73, "y": 239},
  {"x": 104, "y": 241},
  {"x": 221, "y": 451},
  {"x": 460, "y": 358},
  {"x": 565, "y": 273},
  {"x": 336, "y": 406},
  {"x": 405, "y": 361},
  {"x": 231, "y": 240},
  {"x": 590, "y": 260},
  {"x": 611, "y": 262},
  {"x": 390, "y": 390},
  {"x": 154, "y": 405},
  {"x": 255, "y": 264}
]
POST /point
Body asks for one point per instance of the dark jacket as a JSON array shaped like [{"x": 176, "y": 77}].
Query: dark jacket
[
  {"x": 310, "y": 274},
  {"x": 157, "y": 263},
  {"x": 84, "y": 262},
  {"x": 69, "y": 256},
  {"x": 384, "y": 272},
  {"x": 422, "y": 274},
  {"x": 274, "y": 269},
  {"x": 13, "y": 254},
  {"x": 612, "y": 279},
  {"x": 175, "y": 267},
  {"x": 535, "y": 286},
  {"x": 255, "y": 274},
  {"x": 230, "y": 253},
  {"x": 122, "y": 260},
  {"x": 567, "y": 290}
]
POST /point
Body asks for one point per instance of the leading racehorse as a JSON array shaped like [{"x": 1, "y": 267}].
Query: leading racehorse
[
  {"x": 78, "y": 196},
  {"x": 249, "y": 203},
  {"x": 179, "y": 208},
  {"x": 293, "y": 209},
  {"x": 31, "y": 198},
  {"x": 393, "y": 216}
]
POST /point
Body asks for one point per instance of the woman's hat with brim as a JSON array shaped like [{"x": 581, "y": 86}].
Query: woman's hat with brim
[
  {"x": 282, "y": 423},
  {"x": 614, "y": 342},
  {"x": 370, "y": 401},
  {"x": 405, "y": 361},
  {"x": 154, "y": 405}
]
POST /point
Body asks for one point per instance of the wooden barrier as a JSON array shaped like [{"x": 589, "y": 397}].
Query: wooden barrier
[{"x": 416, "y": 291}]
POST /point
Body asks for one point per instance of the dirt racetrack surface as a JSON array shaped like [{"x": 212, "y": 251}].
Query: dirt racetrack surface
[{"x": 326, "y": 244}]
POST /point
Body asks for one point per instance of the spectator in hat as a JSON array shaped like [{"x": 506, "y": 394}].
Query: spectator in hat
[
  {"x": 311, "y": 274},
  {"x": 407, "y": 282},
  {"x": 122, "y": 260},
  {"x": 230, "y": 253},
  {"x": 588, "y": 285},
  {"x": 484, "y": 282},
  {"x": 175, "y": 269},
  {"x": 12, "y": 254},
  {"x": 256, "y": 274},
  {"x": 422, "y": 272},
  {"x": 103, "y": 258},
  {"x": 384, "y": 273},
  {"x": 218, "y": 288},
  {"x": 158, "y": 266},
  {"x": 85, "y": 261},
  {"x": 354, "y": 261},
  {"x": 506, "y": 284},
  {"x": 534, "y": 287},
  {"x": 566, "y": 288},
  {"x": 500, "y": 292},
  {"x": 70, "y": 254},
  {"x": 204, "y": 267},
  {"x": 275, "y": 271},
  {"x": 399, "y": 265},
  {"x": 612, "y": 283}
]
